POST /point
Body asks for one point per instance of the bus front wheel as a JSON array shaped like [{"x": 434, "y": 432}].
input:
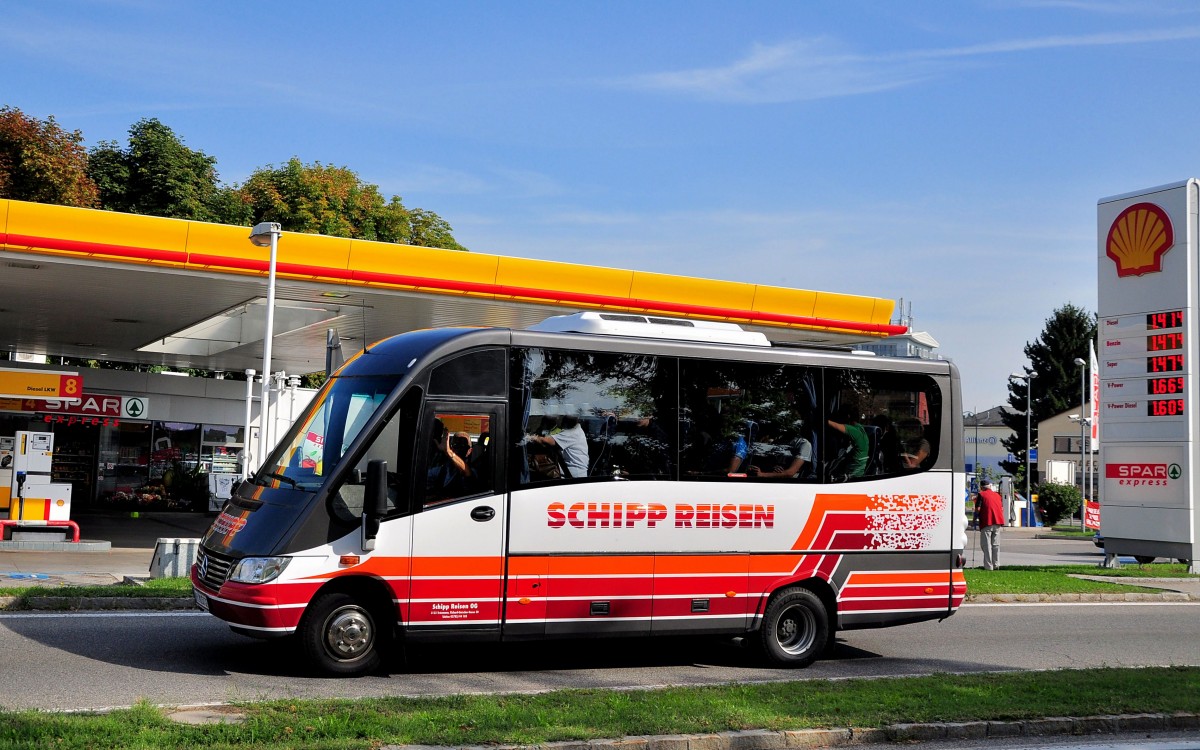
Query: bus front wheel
[
  {"x": 341, "y": 636},
  {"x": 795, "y": 628}
]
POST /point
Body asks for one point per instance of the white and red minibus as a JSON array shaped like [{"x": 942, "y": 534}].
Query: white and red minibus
[{"x": 598, "y": 475}]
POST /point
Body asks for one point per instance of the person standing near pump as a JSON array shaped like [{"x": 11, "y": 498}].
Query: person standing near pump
[{"x": 989, "y": 517}]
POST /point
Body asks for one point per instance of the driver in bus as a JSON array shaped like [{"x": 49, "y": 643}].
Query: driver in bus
[{"x": 448, "y": 471}]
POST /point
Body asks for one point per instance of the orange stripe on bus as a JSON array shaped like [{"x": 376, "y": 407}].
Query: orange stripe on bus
[
  {"x": 700, "y": 564},
  {"x": 456, "y": 566},
  {"x": 603, "y": 565},
  {"x": 862, "y": 578}
]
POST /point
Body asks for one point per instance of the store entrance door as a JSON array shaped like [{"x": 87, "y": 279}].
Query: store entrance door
[{"x": 74, "y": 460}]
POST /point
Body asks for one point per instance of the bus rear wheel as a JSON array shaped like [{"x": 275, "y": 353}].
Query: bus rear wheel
[
  {"x": 795, "y": 629},
  {"x": 342, "y": 637}
]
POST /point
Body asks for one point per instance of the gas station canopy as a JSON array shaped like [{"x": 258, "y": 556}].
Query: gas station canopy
[{"x": 104, "y": 285}]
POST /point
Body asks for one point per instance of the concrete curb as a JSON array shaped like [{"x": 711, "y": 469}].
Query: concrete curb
[
  {"x": 1165, "y": 596},
  {"x": 765, "y": 739}
]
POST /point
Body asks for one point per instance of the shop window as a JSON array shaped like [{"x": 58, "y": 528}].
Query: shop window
[
  {"x": 125, "y": 467},
  {"x": 221, "y": 447},
  {"x": 176, "y": 473}
]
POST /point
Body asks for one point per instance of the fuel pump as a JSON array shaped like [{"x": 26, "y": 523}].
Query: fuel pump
[
  {"x": 34, "y": 497},
  {"x": 6, "y": 474}
]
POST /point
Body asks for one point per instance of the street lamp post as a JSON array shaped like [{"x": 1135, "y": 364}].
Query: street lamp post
[
  {"x": 266, "y": 234},
  {"x": 246, "y": 434},
  {"x": 1082, "y": 365},
  {"x": 1028, "y": 380}
]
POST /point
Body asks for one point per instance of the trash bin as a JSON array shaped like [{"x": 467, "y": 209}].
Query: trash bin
[
  {"x": 1030, "y": 509},
  {"x": 173, "y": 557}
]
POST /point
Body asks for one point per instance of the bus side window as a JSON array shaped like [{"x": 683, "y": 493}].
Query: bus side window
[
  {"x": 746, "y": 421},
  {"x": 592, "y": 415},
  {"x": 881, "y": 424},
  {"x": 394, "y": 445}
]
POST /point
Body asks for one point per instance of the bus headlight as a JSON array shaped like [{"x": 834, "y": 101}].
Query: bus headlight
[{"x": 258, "y": 569}]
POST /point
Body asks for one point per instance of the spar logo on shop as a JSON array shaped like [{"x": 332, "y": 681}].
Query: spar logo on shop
[{"x": 1143, "y": 474}]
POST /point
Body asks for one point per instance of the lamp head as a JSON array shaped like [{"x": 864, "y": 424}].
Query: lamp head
[{"x": 261, "y": 233}]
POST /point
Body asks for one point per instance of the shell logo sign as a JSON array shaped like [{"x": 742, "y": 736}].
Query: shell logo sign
[{"x": 1138, "y": 239}]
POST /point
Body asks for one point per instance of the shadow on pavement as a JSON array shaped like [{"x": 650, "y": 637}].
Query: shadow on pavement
[{"x": 141, "y": 532}]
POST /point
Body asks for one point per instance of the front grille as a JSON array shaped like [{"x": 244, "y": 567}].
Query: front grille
[{"x": 213, "y": 568}]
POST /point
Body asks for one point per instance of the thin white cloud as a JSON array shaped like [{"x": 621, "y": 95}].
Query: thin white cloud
[
  {"x": 810, "y": 69},
  {"x": 437, "y": 180},
  {"x": 1108, "y": 7},
  {"x": 791, "y": 71}
]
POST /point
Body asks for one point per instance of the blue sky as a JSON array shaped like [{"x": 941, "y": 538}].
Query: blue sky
[{"x": 948, "y": 153}]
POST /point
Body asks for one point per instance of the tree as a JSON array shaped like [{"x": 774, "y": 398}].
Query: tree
[
  {"x": 324, "y": 199},
  {"x": 157, "y": 175},
  {"x": 1058, "y": 501},
  {"x": 1068, "y": 335},
  {"x": 41, "y": 162}
]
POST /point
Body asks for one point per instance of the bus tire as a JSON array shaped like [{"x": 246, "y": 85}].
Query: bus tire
[
  {"x": 795, "y": 629},
  {"x": 342, "y": 637},
  {"x": 1144, "y": 559}
]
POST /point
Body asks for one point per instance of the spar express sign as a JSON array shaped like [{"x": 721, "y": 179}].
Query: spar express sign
[
  {"x": 90, "y": 408},
  {"x": 1143, "y": 474}
]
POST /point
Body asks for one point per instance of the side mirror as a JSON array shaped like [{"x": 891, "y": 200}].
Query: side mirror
[{"x": 374, "y": 502}]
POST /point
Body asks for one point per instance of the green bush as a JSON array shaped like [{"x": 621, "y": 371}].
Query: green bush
[{"x": 1058, "y": 501}]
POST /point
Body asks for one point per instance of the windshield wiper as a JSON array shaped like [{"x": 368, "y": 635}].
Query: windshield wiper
[{"x": 287, "y": 479}]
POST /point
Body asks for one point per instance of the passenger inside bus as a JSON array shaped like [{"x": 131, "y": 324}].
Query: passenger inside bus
[
  {"x": 916, "y": 447},
  {"x": 569, "y": 439},
  {"x": 890, "y": 448},
  {"x": 448, "y": 472},
  {"x": 858, "y": 446},
  {"x": 731, "y": 454},
  {"x": 790, "y": 459}
]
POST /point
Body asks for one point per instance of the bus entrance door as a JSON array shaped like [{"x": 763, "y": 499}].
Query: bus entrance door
[{"x": 458, "y": 533}]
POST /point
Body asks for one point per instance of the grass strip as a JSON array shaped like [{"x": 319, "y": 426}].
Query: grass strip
[
  {"x": 1056, "y": 579},
  {"x": 155, "y": 587},
  {"x": 589, "y": 714},
  {"x": 1070, "y": 532}
]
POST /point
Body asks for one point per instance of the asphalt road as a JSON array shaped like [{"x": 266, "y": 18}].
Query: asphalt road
[{"x": 90, "y": 661}]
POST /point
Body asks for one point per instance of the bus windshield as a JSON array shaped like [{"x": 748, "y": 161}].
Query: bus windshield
[{"x": 318, "y": 440}]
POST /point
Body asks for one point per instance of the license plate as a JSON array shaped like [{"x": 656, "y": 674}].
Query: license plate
[{"x": 201, "y": 600}]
